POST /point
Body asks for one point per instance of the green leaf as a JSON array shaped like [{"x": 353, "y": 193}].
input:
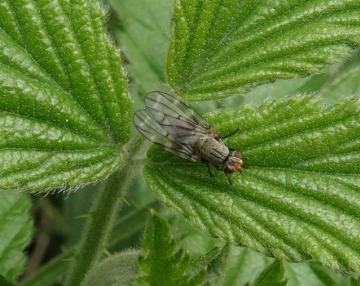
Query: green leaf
[
  {"x": 219, "y": 48},
  {"x": 271, "y": 276},
  {"x": 143, "y": 37},
  {"x": 161, "y": 263},
  {"x": 64, "y": 107},
  {"x": 133, "y": 217},
  {"x": 5, "y": 282},
  {"x": 51, "y": 273},
  {"x": 344, "y": 80},
  {"x": 355, "y": 282},
  {"x": 118, "y": 269},
  {"x": 298, "y": 197},
  {"x": 216, "y": 262},
  {"x": 323, "y": 274},
  {"x": 15, "y": 234},
  {"x": 336, "y": 82},
  {"x": 245, "y": 264}
]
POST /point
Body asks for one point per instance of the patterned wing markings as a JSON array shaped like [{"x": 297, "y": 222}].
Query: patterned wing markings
[
  {"x": 183, "y": 123},
  {"x": 171, "y": 124},
  {"x": 151, "y": 130}
]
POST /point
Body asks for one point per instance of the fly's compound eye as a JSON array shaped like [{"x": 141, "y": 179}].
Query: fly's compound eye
[{"x": 233, "y": 163}]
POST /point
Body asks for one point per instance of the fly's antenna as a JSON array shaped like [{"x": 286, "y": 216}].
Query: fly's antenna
[{"x": 236, "y": 131}]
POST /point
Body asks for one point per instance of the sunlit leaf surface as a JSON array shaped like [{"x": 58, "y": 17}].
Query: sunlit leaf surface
[
  {"x": 299, "y": 197},
  {"x": 219, "y": 48},
  {"x": 64, "y": 107}
]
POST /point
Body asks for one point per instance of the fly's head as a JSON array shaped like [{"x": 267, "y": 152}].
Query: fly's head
[{"x": 233, "y": 163}]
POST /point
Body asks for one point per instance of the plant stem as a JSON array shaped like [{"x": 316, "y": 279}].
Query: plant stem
[{"x": 102, "y": 213}]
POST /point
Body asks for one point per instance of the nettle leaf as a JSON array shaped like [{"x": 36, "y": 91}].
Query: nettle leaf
[
  {"x": 245, "y": 264},
  {"x": 5, "y": 282},
  {"x": 145, "y": 24},
  {"x": 162, "y": 263},
  {"x": 217, "y": 264},
  {"x": 118, "y": 269},
  {"x": 272, "y": 275},
  {"x": 355, "y": 282},
  {"x": 64, "y": 107},
  {"x": 219, "y": 48},
  {"x": 15, "y": 235},
  {"x": 299, "y": 197}
]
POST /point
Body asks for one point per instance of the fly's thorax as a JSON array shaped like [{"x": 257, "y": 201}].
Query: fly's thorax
[
  {"x": 212, "y": 151},
  {"x": 233, "y": 163},
  {"x": 214, "y": 134}
]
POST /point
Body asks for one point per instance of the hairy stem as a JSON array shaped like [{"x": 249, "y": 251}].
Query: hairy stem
[{"x": 102, "y": 213}]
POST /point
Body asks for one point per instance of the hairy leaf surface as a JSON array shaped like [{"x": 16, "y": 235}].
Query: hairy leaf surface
[
  {"x": 299, "y": 197},
  {"x": 219, "y": 48},
  {"x": 64, "y": 107}
]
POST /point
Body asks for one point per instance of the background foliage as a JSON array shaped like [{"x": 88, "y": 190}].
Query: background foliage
[{"x": 66, "y": 116}]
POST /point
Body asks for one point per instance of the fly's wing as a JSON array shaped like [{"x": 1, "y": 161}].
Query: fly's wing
[
  {"x": 180, "y": 121},
  {"x": 151, "y": 130}
]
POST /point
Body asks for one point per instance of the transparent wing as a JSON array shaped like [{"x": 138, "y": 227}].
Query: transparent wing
[
  {"x": 151, "y": 130},
  {"x": 176, "y": 118}
]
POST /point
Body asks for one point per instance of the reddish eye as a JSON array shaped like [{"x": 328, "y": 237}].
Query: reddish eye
[
  {"x": 237, "y": 155},
  {"x": 233, "y": 163}
]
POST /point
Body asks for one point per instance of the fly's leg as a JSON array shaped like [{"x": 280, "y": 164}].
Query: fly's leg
[
  {"x": 227, "y": 176},
  {"x": 211, "y": 174}
]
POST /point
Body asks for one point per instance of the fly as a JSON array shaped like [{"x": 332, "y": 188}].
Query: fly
[{"x": 172, "y": 125}]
